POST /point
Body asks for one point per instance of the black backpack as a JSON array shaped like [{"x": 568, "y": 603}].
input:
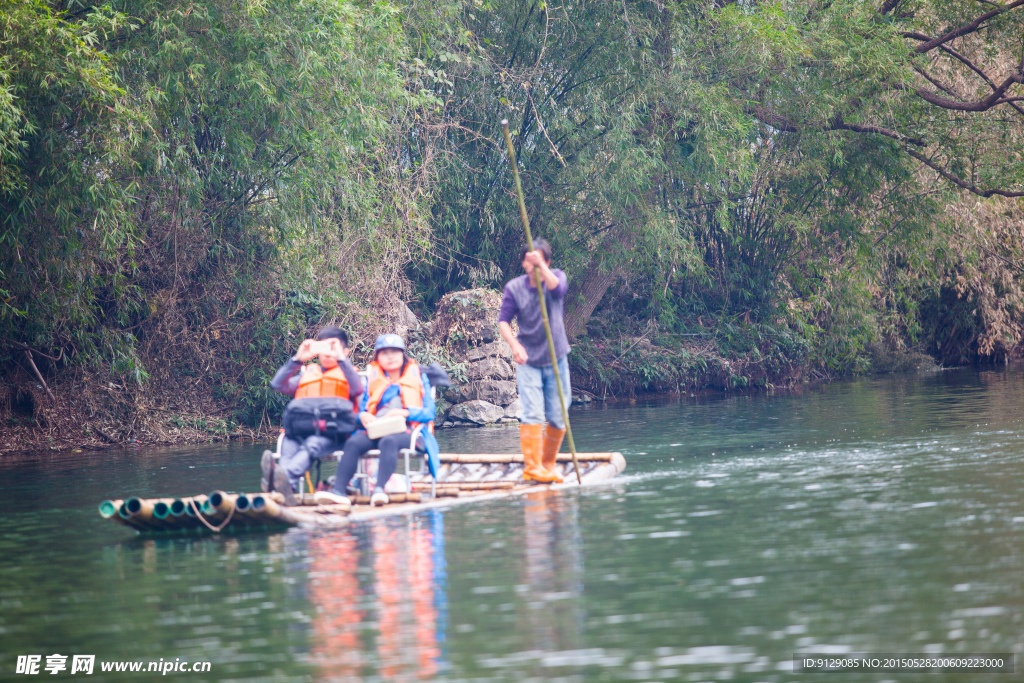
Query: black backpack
[{"x": 329, "y": 416}]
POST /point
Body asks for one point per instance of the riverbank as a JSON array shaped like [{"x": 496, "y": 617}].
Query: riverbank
[{"x": 615, "y": 372}]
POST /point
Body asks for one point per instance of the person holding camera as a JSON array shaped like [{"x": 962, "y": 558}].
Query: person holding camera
[{"x": 321, "y": 415}]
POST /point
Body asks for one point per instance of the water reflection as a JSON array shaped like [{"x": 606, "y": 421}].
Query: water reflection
[
  {"x": 379, "y": 592},
  {"x": 553, "y": 571}
]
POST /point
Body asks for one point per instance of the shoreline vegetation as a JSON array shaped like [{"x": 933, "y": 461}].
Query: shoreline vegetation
[{"x": 746, "y": 197}]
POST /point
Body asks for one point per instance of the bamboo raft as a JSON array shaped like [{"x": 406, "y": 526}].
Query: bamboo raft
[{"x": 462, "y": 478}]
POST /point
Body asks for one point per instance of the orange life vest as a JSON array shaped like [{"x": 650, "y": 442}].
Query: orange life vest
[
  {"x": 410, "y": 386},
  {"x": 315, "y": 383}
]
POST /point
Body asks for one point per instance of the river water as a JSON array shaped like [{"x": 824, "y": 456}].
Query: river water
[{"x": 878, "y": 515}]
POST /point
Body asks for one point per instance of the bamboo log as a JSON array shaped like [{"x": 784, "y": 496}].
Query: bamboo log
[
  {"x": 39, "y": 375},
  {"x": 162, "y": 508},
  {"x": 487, "y": 458},
  {"x": 140, "y": 508},
  {"x": 273, "y": 513},
  {"x": 222, "y": 502},
  {"x": 466, "y": 485},
  {"x": 266, "y": 507},
  {"x": 109, "y": 508},
  {"x": 244, "y": 510},
  {"x": 139, "y": 511},
  {"x": 335, "y": 508},
  {"x": 181, "y": 516},
  {"x": 215, "y": 507},
  {"x": 114, "y": 509},
  {"x": 195, "y": 503},
  {"x": 414, "y": 497}
]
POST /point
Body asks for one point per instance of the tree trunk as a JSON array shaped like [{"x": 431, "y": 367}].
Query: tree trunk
[{"x": 585, "y": 293}]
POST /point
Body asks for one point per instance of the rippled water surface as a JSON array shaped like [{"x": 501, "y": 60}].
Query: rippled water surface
[{"x": 876, "y": 515}]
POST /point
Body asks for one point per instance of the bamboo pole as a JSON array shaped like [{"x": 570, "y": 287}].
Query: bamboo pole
[
  {"x": 540, "y": 293},
  {"x": 39, "y": 375}
]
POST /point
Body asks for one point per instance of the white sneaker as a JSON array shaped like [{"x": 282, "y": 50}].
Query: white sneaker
[
  {"x": 331, "y": 498},
  {"x": 396, "y": 484},
  {"x": 379, "y": 498}
]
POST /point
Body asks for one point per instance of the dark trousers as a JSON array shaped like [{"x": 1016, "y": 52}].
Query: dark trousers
[
  {"x": 298, "y": 455},
  {"x": 357, "y": 445}
]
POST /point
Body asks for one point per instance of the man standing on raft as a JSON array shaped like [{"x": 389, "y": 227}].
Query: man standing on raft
[{"x": 535, "y": 377}]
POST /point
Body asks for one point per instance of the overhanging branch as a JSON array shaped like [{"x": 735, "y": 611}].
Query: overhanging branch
[
  {"x": 932, "y": 43},
  {"x": 960, "y": 182},
  {"x": 782, "y": 123},
  {"x": 993, "y": 100}
]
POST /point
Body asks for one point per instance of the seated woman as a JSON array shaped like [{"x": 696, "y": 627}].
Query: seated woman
[{"x": 396, "y": 386}]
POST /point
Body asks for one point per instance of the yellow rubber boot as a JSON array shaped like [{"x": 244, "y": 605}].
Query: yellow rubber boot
[
  {"x": 530, "y": 438},
  {"x": 552, "y": 442}
]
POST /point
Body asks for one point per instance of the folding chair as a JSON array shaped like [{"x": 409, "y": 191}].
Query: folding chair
[
  {"x": 362, "y": 476},
  {"x": 335, "y": 456}
]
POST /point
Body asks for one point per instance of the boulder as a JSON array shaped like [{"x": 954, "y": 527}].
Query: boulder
[
  {"x": 466, "y": 323},
  {"x": 480, "y": 412},
  {"x": 500, "y": 392},
  {"x": 490, "y": 367},
  {"x": 406, "y": 321},
  {"x": 514, "y": 409},
  {"x": 467, "y": 319},
  {"x": 497, "y": 348}
]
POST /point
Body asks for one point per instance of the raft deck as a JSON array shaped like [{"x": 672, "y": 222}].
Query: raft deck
[{"x": 462, "y": 478}]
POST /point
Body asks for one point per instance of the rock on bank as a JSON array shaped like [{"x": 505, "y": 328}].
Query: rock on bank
[{"x": 466, "y": 323}]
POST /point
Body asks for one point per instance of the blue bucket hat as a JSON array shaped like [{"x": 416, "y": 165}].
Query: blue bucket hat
[{"x": 388, "y": 341}]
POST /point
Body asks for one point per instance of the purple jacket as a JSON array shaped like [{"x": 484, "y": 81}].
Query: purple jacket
[{"x": 522, "y": 303}]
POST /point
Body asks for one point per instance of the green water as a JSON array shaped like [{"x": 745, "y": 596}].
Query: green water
[{"x": 876, "y": 515}]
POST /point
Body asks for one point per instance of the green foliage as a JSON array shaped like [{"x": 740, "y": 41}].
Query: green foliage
[
  {"x": 178, "y": 179},
  {"x": 188, "y": 189},
  {"x": 68, "y": 135}
]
